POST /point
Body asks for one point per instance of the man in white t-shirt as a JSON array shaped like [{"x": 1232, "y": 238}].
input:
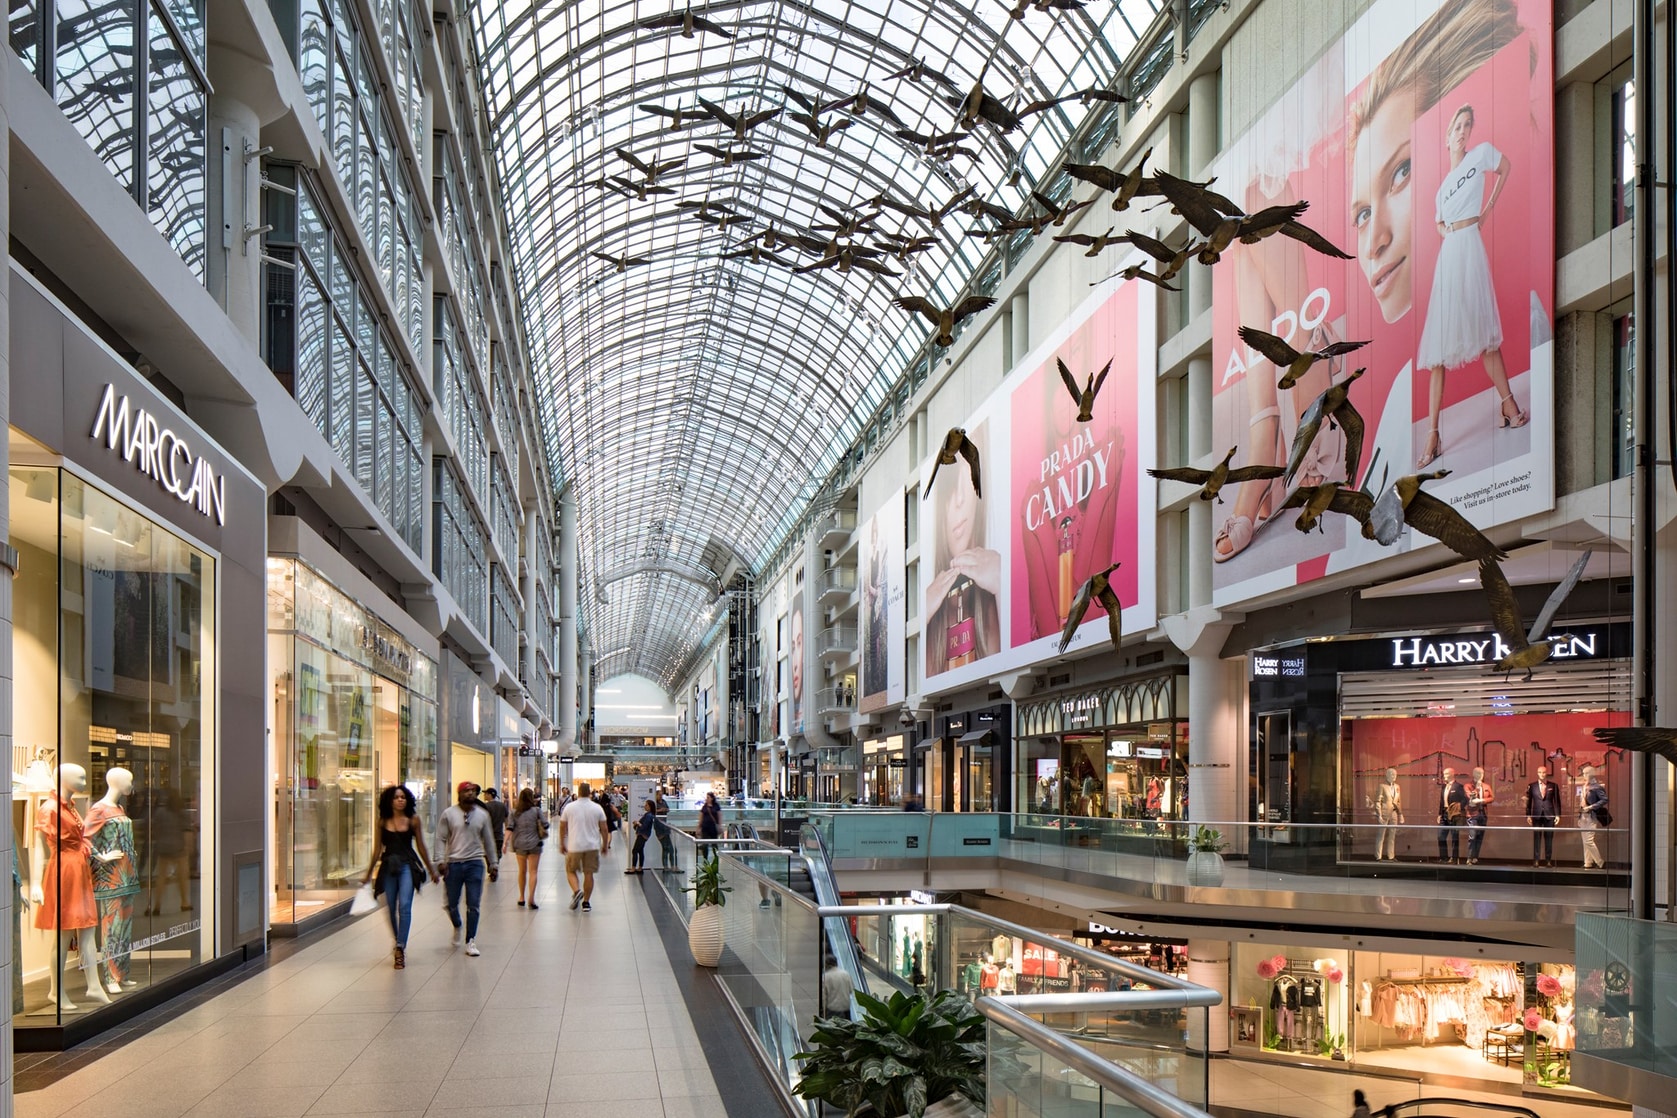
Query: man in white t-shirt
[{"x": 583, "y": 837}]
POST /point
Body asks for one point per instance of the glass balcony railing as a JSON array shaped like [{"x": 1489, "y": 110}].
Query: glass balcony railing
[
  {"x": 836, "y": 640},
  {"x": 835, "y": 700},
  {"x": 1625, "y": 1008},
  {"x": 836, "y": 582},
  {"x": 1123, "y": 1043}
]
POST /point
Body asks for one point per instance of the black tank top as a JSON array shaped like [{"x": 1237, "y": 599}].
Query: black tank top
[{"x": 398, "y": 846}]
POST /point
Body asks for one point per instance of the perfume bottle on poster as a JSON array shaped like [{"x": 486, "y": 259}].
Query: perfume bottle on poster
[
  {"x": 1068, "y": 552},
  {"x": 961, "y": 635}
]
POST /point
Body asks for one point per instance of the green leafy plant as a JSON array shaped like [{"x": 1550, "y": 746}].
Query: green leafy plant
[
  {"x": 1206, "y": 840},
  {"x": 899, "y": 1057},
  {"x": 707, "y": 887},
  {"x": 1330, "y": 1043}
]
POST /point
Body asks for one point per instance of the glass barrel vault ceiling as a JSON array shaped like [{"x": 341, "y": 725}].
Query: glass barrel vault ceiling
[{"x": 695, "y": 402}]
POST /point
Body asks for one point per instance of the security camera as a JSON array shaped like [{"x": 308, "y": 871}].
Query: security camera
[{"x": 906, "y": 718}]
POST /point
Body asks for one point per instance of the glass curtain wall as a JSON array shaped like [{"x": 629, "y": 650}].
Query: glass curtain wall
[
  {"x": 354, "y": 711},
  {"x": 130, "y": 78},
  {"x": 114, "y": 627}
]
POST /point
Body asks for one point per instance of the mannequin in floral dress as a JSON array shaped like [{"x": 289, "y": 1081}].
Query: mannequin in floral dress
[{"x": 116, "y": 880}]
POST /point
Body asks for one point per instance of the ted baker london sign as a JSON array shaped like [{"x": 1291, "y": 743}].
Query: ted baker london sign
[{"x": 156, "y": 451}]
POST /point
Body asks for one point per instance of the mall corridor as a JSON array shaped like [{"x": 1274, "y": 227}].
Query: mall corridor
[{"x": 565, "y": 1014}]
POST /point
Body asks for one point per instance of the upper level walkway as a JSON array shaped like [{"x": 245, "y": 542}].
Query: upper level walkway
[{"x": 564, "y": 1014}]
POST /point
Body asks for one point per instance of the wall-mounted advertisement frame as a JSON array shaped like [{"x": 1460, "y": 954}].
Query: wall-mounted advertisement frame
[{"x": 884, "y": 610}]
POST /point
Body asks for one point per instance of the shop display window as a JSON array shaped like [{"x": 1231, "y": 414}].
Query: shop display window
[
  {"x": 1494, "y": 760},
  {"x": 1301, "y": 998},
  {"x": 345, "y": 727},
  {"x": 113, "y": 643}
]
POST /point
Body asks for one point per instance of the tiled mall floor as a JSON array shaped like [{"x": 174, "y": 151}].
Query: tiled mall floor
[{"x": 566, "y": 1013}]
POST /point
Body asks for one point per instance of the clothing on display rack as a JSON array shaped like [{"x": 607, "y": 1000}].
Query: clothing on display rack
[{"x": 1419, "y": 1007}]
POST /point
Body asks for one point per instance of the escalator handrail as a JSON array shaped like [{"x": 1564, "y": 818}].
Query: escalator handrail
[{"x": 839, "y": 939}]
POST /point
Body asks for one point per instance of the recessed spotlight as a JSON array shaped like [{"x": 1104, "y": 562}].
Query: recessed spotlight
[{"x": 1466, "y": 581}]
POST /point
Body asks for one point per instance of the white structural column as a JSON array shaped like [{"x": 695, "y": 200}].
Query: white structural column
[
  {"x": 1204, "y": 136},
  {"x": 1208, "y": 965},
  {"x": 567, "y": 620},
  {"x": 527, "y": 591},
  {"x": 1020, "y": 308},
  {"x": 1216, "y": 759},
  {"x": 585, "y": 688},
  {"x": 7, "y": 853},
  {"x": 234, "y": 263}
]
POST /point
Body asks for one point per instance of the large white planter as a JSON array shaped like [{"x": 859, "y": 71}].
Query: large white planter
[
  {"x": 704, "y": 935},
  {"x": 1205, "y": 869}
]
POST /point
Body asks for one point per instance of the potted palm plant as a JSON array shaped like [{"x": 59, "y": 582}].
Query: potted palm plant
[
  {"x": 1205, "y": 856},
  {"x": 913, "y": 1055},
  {"x": 704, "y": 928}
]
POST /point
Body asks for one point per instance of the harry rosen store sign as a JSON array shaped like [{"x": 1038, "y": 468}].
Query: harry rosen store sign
[{"x": 160, "y": 454}]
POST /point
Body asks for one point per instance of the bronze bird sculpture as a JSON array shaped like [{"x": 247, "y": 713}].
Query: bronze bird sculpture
[
  {"x": 902, "y": 247},
  {"x": 1084, "y": 396},
  {"x": 1020, "y": 7},
  {"x": 1135, "y": 272},
  {"x": 866, "y": 103},
  {"x": 757, "y": 254},
  {"x": 956, "y": 443},
  {"x": 1094, "y": 243},
  {"x": 1124, "y": 185},
  {"x": 1330, "y": 496},
  {"x": 845, "y": 224},
  {"x": 740, "y": 123},
  {"x": 1221, "y": 222},
  {"x": 1526, "y": 650},
  {"x": 1405, "y": 503},
  {"x": 687, "y": 22},
  {"x": 621, "y": 264},
  {"x": 1657, "y": 740},
  {"x": 680, "y": 119},
  {"x": 1333, "y": 405},
  {"x": 978, "y": 105},
  {"x": 917, "y": 71},
  {"x": 822, "y": 130},
  {"x": 652, "y": 171},
  {"x": 1173, "y": 259},
  {"x": 1056, "y": 213},
  {"x": 1098, "y": 588},
  {"x": 944, "y": 318},
  {"x": 1212, "y": 481},
  {"x": 729, "y": 157},
  {"x": 639, "y": 190},
  {"x": 1284, "y": 356},
  {"x": 933, "y": 217}
]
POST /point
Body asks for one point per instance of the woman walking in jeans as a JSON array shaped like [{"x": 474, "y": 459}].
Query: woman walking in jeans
[{"x": 401, "y": 860}]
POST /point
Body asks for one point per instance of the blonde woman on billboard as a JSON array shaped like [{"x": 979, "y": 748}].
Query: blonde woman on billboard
[
  {"x": 1462, "y": 319},
  {"x": 1443, "y": 51}
]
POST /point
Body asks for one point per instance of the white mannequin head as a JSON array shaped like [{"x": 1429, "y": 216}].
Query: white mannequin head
[
  {"x": 1588, "y": 773},
  {"x": 118, "y": 783},
  {"x": 72, "y": 779},
  {"x": 1391, "y": 776}
]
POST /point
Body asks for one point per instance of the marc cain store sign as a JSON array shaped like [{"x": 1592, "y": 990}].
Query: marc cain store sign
[{"x": 152, "y": 447}]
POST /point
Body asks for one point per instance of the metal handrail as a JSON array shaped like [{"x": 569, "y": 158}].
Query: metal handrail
[
  {"x": 1197, "y": 995},
  {"x": 839, "y": 939},
  {"x": 1106, "y": 1074}
]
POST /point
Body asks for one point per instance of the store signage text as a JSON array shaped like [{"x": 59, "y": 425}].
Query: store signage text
[
  {"x": 385, "y": 649},
  {"x": 160, "y": 454},
  {"x": 1104, "y": 929},
  {"x": 916, "y": 896},
  {"x": 1271, "y": 667},
  {"x": 1420, "y": 652},
  {"x": 1079, "y": 705}
]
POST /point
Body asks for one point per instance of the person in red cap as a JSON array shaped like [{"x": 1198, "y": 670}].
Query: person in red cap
[{"x": 468, "y": 849}]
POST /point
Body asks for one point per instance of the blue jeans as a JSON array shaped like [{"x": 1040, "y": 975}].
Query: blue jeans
[
  {"x": 398, "y": 894},
  {"x": 470, "y": 876}
]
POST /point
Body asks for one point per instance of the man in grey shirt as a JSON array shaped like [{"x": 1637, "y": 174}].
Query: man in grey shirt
[{"x": 468, "y": 849}]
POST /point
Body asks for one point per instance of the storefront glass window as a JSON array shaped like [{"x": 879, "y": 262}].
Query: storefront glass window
[
  {"x": 350, "y": 715},
  {"x": 114, "y": 652}
]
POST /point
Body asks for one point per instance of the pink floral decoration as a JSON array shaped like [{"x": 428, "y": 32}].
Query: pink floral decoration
[
  {"x": 1534, "y": 1019},
  {"x": 1548, "y": 985},
  {"x": 1279, "y": 962},
  {"x": 1465, "y": 970},
  {"x": 1267, "y": 969},
  {"x": 1336, "y": 975}
]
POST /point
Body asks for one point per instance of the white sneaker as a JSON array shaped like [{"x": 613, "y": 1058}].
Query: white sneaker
[
  {"x": 471, "y": 948},
  {"x": 454, "y": 938}
]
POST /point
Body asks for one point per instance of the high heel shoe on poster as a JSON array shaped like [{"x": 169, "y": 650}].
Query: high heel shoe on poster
[
  {"x": 1517, "y": 420},
  {"x": 1430, "y": 453}
]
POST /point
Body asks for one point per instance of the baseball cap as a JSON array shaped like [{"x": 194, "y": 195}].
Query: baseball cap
[{"x": 463, "y": 785}]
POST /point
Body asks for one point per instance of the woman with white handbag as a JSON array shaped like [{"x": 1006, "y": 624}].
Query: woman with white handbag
[{"x": 402, "y": 863}]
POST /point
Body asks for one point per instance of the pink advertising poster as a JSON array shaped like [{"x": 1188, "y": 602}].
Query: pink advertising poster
[
  {"x": 1423, "y": 141},
  {"x": 1075, "y": 485}
]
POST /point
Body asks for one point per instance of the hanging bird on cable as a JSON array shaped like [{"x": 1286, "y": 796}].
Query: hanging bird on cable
[
  {"x": 944, "y": 318},
  {"x": 728, "y": 157},
  {"x": 1094, "y": 243},
  {"x": 1330, "y": 496},
  {"x": 1405, "y": 503},
  {"x": 918, "y": 71},
  {"x": 1333, "y": 405},
  {"x": 687, "y": 22},
  {"x": 1295, "y": 362},
  {"x": 1173, "y": 259},
  {"x": 1020, "y": 7},
  {"x": 680, "y": 119},
  {"x": 742, "y": 122},
  {"x": 1084, "y": 396},
  {"x": 1213, "y": 480},
  {"x": 1124, "y": 185},
  {"x": 1525, "y": 650},
  {"x": 1135, "y": 272},
  {"x": 1097, "y": 589},
  {"x": 621, "y": 264},
  {"x": 1221, "y": 222},
  {"x": 956, "y": 443}
]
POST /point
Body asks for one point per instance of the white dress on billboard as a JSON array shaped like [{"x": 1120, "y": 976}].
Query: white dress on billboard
[{"x": 1462, "y": 319}]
